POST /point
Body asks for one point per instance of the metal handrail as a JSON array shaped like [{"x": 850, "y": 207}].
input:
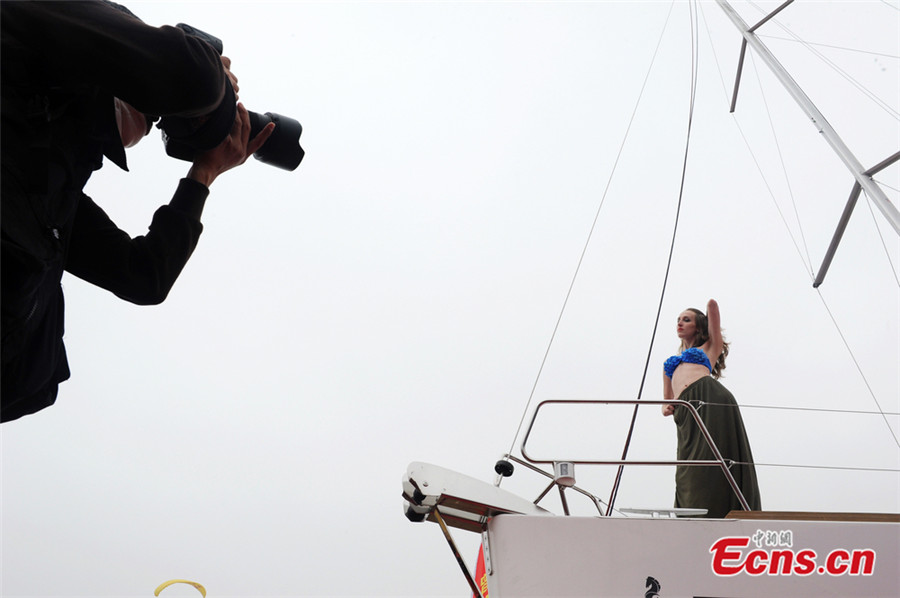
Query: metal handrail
[
  {"x": 719, "y": 460},
  {"x": 597, "y": 502}
]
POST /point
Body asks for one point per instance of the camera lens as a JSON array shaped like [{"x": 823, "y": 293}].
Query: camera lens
[{"x": 282, "y": 148}]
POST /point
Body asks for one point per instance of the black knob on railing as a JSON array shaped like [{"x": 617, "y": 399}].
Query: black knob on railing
[{"x": 504, "y": 468}]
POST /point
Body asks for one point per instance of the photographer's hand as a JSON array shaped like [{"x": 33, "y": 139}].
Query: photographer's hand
[{"x": 233, "y": 151}]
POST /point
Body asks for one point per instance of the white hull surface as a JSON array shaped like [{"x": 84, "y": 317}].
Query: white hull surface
[
  {"x": 734, "y": 558},
  {"x": 532, "y": 553}
]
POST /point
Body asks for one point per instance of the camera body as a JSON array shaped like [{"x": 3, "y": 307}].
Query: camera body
[{"x": 184, "y": 138}]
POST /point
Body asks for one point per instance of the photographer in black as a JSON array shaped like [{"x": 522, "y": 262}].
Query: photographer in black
[{"x": 80, "y": 81}]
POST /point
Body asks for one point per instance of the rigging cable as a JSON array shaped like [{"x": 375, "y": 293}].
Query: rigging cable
[
  {"x": 859, "y": 369},
  {"x": 884, "y": 414},
  {"x": 811, "y": 409},
  {"x": 835, "y": 467},
  {"x": 821, "y": 297},
  {"x": 862, "y": 88},
  {"x": 590, "y": 234},
  {"x": 762, "y": 175},
  {"x": 844, "y": 48},
  {"x": 687, "y": 144},
  {"x": 784, "y": 170},
  {"x": 887, "y": 251},
  {"x": 883, "y": 184}
]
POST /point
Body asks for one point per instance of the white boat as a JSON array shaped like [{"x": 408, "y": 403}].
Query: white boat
[{"x": 542, "y": 547}]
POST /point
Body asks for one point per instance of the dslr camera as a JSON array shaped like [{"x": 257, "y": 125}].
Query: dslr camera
[{"x": 186, "y": 137}]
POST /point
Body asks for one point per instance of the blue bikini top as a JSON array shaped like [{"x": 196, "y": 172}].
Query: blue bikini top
[{"x": 691, "y": 355}]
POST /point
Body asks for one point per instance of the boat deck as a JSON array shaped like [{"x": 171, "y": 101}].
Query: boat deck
[{"x": 814, "y": 516}]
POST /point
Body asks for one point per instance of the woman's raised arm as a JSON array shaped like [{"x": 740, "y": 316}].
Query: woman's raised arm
[{"x": 714, "y": 322}]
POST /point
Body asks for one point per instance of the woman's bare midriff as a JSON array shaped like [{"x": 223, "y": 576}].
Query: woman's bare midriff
[{"x": 685, "y": 375}]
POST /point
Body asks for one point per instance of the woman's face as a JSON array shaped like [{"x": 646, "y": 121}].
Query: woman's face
[{"x": 687, "y": 326}]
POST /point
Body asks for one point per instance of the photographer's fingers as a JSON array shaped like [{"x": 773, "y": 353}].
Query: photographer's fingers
[
  {"x": 258, "y": 141},
  {"x": 238, "y": 146},
  {"x": 241, "y": 124}
]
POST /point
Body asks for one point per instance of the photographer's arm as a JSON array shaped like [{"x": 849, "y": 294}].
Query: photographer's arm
[
  {"x": 158, "y": 70},
  {"x": 140, "y": 270}
]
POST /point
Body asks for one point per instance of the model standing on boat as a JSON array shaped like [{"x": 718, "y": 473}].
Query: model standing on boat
[{"x": 693, "y": 376}]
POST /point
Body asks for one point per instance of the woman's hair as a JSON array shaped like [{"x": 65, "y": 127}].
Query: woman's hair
[{"x": 702, "y": 324}]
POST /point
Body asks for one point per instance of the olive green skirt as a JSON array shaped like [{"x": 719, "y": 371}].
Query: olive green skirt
[{"x": 704, "y": 487}]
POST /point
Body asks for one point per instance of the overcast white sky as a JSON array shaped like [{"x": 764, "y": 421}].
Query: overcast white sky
[{"x": 392, "y": 300}]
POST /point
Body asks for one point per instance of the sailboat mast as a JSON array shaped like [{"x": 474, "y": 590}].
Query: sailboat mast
[{"x": 863, "y": 178}]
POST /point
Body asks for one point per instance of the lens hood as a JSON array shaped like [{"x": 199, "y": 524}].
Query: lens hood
[{"x": 282, "y": 149}]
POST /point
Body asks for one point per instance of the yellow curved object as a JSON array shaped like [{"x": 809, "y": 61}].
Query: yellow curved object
[{"x": 166, "y": 584}]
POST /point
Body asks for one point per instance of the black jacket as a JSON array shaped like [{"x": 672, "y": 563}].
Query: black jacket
[{"x": 62, "y": 65}]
